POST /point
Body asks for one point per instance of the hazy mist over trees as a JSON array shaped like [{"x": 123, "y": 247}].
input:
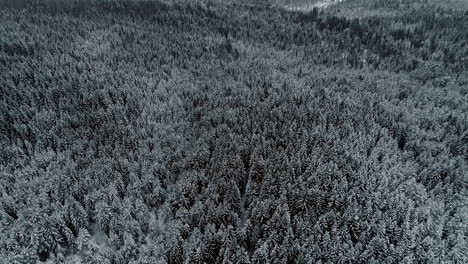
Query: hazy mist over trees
[{"x": 226, "y": 131}]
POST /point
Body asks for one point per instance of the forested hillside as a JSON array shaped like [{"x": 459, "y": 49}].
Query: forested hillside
[{"x": 228, "y": 132}]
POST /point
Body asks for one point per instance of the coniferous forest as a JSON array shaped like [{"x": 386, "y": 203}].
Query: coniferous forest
[{"x": 233, "y": 131}]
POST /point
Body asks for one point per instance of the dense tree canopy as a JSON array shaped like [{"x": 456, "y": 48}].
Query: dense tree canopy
[{"x": 226, "y": 132}]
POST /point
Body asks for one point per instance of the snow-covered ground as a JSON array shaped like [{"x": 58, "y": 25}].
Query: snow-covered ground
[{"x": 312, "y": 5}]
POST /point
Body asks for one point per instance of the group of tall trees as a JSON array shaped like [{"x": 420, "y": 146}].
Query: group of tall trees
[{"x": 226, "y": 132}]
